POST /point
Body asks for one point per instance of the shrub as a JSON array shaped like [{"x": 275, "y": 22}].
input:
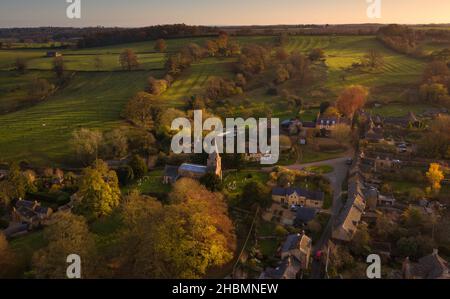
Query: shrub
[{"x": 139, "y": 167}]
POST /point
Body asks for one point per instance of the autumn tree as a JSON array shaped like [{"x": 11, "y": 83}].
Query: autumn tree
[
  {"x": 255, "y": 193},
  {"x": 160, "y": 45},
  {"x": 253, "y": 60},
  {"x": 68, "y": 234},
  {"x": 15, "y": 186},
  {"x": 99, "y": 191},
  {"x": 7, "y": 258},
  {"x": 115, "y": 143},
  {"x": 436, "y": 72},
  {"x": 373, "y": 59},
  {"x": 360, "y": 243},
  {"x": 142, "y": 110},
  {"x": 21, "y": 65},
  {"x": 181, "y": 240},
  {"x": 59, "y": 67},
  {"x": 128, "y": 60},
  {"x": 282, "y": 39},
  {"x": 435, "y": 175},
  {"x": 86, "y": 143},
  {"x": 332, "y": 112},
  {"x": 193, "y": 50},
  {"x": 157, "y": 87},
  {"x": 301, "y": 65},
  {"x": 316, "y": 54},
  {"x": 384, "y": 226},
  {"x": 212, "y": 182},
  {"x": 351, "y": 100},
  {"x": 433, "y": 93},
  {"x": 282, "y": 74},
  {"x": 212, "y": 48},
  {"x": 40, "y": 88},
  {"x": 435, "y": 143},
  {"x": 281, "y": 54},
  {"x": 137, "y": 163}
]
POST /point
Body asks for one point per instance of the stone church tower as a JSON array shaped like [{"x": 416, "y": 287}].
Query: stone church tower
[{"x": 214, "y": 164}]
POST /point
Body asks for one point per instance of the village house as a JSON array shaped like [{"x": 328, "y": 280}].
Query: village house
[
  {"x": 53, "y": 54},
  {"x": 409, "y": 120},
  {"x": 385, "y": 163},
  {"x": 30, "y": 212},
  {"x": 298, "y": 197},
  {"x": 295, "y": 255},
  {"x": 327, "y": 123},
  {"x": 353, "y": 211},
  {"x": 429, "y": 267}
]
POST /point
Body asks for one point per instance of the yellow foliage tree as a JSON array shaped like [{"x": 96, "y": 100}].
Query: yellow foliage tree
[{"x": 435, "y": 176}]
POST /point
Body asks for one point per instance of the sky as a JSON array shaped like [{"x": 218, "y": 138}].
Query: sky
[{"x": 137, "y": 13}]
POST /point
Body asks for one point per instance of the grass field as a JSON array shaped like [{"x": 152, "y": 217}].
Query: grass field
[{"x": 95, "y": 100}]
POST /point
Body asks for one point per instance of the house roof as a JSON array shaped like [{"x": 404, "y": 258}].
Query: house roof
[
  {"x": 288, "y": 269},
  {"x": 296, "y": 241},
  {"x": 315, "y": 195},
  {"x": 25, "y": 203},
  {"x": 26, "y": 213},
  {"x": 431, "y": 267},
  {"x": 15, "y": 229}
]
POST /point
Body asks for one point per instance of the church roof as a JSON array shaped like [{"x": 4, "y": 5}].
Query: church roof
[{"x": 195, "y": 168}]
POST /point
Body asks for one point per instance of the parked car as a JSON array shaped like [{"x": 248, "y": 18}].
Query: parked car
[{"x": 318, "y": 255}]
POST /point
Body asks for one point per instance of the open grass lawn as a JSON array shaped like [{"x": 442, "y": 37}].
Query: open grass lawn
[
  {"x": 309, "y": 154},
  {"x": 323, "y": 169},
  {"x": 397, "y": 110},
  {"x": 41, "y": 134},
  {"x": 234, "y": 182},
  {"x": 150, "y": 184}
]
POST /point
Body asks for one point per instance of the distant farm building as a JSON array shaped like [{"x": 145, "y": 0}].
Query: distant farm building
[{"x": 54, "y": 54}]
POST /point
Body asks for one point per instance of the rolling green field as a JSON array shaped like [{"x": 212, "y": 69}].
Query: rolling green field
[
  {"x": 95, "y": 97},
  {"x": 41, "y": 133}
]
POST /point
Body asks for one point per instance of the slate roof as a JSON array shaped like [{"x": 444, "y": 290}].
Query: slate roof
[
  {"x": 291, "y": 243},
  {"x": 315, "y": 195},
  {"x": 288, "y": 269},
  {"x": 201, "y": 169}
]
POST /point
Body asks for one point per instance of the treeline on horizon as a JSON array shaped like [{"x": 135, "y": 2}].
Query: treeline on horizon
[{"x": 401, "y": 38}]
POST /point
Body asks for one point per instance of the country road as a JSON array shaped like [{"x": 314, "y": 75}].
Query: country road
[{"x": 337, "y": 178}]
